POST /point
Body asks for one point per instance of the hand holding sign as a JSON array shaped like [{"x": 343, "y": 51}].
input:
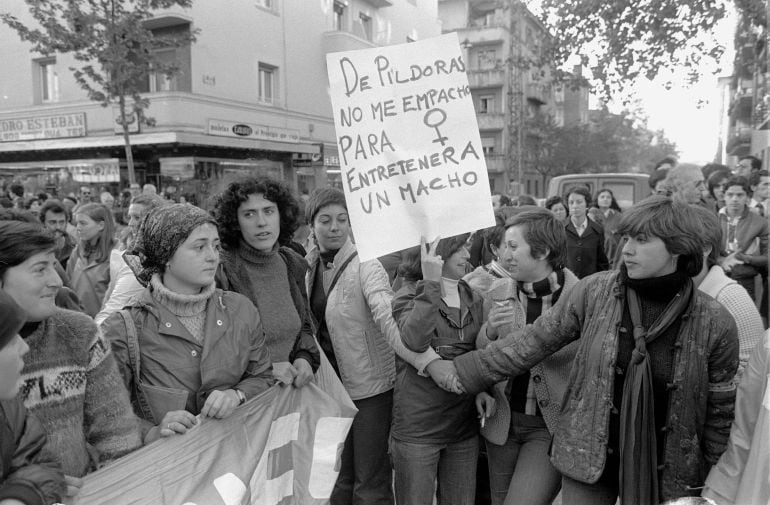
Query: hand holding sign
[{"x": 431, "y": 263}]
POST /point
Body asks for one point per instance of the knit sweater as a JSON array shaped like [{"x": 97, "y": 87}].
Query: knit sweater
[
  {"x": 71, "y": 383},
  {"x": 737, "y": 301},
  {"x": 265, "y": 281},
  {"x": 189, "y": 309}
]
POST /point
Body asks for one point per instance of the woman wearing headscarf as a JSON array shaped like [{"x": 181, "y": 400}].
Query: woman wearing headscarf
[
  {"x": 71, "y": 382},
  {"x": 257, "y": 217},
  {"x": 202, "y": 350},
  {"x": 651, "y": 392}
]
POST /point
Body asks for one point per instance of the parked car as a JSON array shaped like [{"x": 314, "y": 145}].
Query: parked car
[{"x": 627, "y": 188}]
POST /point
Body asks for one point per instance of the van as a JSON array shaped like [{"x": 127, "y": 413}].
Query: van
[{"x": 627, "y": 188}]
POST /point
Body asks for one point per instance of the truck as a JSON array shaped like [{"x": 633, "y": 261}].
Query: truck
[{"x": 627, "y": 188}]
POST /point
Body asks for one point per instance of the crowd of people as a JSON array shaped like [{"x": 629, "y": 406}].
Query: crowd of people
[{"x": 580, "y": 348}]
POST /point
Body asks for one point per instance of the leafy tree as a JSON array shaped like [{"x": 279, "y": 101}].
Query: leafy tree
[
  {"x": 114, "y": 50},
  {"x": 609, "y": 143},
  {"x": 637, "y": 38}
]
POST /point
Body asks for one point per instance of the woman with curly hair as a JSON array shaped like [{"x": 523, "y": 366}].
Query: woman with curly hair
[
  {"x": 257, "y": 217},
  {"x": 89, "y": 263}
]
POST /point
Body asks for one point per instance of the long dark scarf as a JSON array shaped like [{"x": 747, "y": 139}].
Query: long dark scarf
[{"x": 638, "y": 444}]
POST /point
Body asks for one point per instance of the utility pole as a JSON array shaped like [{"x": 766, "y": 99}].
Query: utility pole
[{"x": 516, "y": 68}]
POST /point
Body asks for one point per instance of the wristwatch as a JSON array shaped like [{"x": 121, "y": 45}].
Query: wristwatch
[{"x": 241, "y": 396}]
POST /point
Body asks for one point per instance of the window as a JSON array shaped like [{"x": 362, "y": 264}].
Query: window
[
  {"x": 160, "y": 81},
  {"x": 486, "y": 104},
  {"x": 488, "y": 145},
  {"x": 339, "y": 15},
  {"x": 486, "y": 59},
  {"x": 366, "y": 24},
  {"x": 267, "y": 83},
  {"x": 48, "y": 80}
]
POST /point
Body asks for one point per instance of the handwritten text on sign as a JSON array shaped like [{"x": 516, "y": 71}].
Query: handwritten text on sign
[{"x": 412, "y": 162}]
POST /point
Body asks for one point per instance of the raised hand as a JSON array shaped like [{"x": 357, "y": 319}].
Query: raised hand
[{"x": 431, "y": 263}]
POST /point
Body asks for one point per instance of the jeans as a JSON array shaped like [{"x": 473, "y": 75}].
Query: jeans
[
  {"x": 520, "y": 471},
  {"x": 365, "y": 474},
  {"x": 574, "y": 492},
  {"x": 419, "y": 466}
]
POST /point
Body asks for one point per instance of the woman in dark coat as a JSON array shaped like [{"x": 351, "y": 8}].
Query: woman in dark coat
[{"x": 585, "y": 238}]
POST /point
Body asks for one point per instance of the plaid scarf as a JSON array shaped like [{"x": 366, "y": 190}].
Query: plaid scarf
[{"x": 547, "y": 291}]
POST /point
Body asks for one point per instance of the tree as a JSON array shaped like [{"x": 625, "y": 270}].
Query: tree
[
  {"x": 115, "y": 51},
  {"x": 637, "y": 38},
  {"x": 610, "y": 143}
]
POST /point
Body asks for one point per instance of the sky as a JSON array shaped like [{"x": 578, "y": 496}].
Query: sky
[{"x": 689, "y": 115}]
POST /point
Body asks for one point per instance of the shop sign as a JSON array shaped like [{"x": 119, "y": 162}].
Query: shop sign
[
  {"x": 223, "y": 128},
  {"x": 43, "y": 127},
  {"x": 94, "y": 171},
  {"x": 178, "y": 168}
]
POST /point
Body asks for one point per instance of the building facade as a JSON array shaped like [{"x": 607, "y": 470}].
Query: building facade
[
  {"x": 251, "y": 97},
  {"x": 503, "y": 44},
  {"x": 746, "y": 130}
]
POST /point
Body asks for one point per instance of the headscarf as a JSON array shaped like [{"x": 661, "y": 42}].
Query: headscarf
[
  {"x": 11, "y": 319},
  {"x": 161, "y": 233}
]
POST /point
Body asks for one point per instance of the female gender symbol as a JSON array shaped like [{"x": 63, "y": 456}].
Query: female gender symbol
[{"x": 436, "y": 124}]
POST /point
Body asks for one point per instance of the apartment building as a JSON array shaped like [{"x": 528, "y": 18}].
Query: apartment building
[
  {"x": 746, "y": 127},
  {"x": 251, "y": 97},
  {"x": 503, "y": 43}
]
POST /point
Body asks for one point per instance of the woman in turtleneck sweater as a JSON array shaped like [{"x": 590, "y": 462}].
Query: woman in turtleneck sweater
[
  {"x": 257, "y": 217},
  {"x": 651, "y": 392},
  {"x": 202, "y": 350}
]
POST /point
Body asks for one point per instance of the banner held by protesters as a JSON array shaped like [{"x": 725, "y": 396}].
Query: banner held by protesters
[
  {"x": 281, "y": 447},
  {"x": 410, "y": 151}
]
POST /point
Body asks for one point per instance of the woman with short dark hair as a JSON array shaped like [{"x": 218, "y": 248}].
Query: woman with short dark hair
[
  {"x": 257, "y": 218},
  {"x": 585, "y": 237},
  {"x": 434, "y": 436},
  {"x": 651, "y": 392},
  {"x": 351, "y": 302}
]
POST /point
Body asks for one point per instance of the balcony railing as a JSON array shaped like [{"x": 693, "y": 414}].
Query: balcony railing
[
  {"x": 485, "y": 78},
  {"x": 539, "y": 92},
  {"x": 741, "y": 136},
  {"x": 495, "y": 163},
  {"x": 337, "y": 41},
  {"x": 491, "y": 121}
]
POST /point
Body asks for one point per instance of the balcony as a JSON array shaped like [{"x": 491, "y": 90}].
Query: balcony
[
  {"x": 538, "y": 92},
  {"x": 379, "y": 3},
  {"x": 486, "y": 78},
  {"x": 495, "y": 163},
  {"x": 491, "y": 121},
  {"x": 741, "y": 104},
  {"x": 337, "y": 41},
  {"x": 739, "y": 141}
]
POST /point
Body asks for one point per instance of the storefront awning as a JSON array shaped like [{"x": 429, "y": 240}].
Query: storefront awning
[{"x": 144, "y": 139}]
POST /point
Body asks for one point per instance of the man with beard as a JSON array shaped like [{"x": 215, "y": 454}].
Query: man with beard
[{"x": 54, "y": 217}]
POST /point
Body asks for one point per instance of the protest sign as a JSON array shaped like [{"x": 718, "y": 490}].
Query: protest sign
[
  {"x": 281, "y": 447},
  {"x": 411, "y": 157}
]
